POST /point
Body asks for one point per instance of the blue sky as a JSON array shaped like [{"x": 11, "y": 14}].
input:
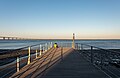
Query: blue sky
[{"x": 88, "y": 19}]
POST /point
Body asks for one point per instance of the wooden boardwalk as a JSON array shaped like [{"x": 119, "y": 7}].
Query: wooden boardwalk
[{"x": 73, "y": 65}]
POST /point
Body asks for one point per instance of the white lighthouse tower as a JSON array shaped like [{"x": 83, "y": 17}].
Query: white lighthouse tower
[{"x": 73, "y": 43}]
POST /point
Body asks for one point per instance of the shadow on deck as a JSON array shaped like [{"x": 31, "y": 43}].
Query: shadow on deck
[{"x": 72, "y": 65}]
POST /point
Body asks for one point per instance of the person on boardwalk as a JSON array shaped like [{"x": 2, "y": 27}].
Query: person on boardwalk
[{"x": 55, "y": 45}]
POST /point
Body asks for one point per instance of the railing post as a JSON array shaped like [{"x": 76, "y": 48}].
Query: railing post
[
  {"x": 46, "y": 47},
  {"x": 18, "y": 64},
  {"x": 81, "y": 46},
  {"x": 28, "y": 55},
  {"x": 61, "y": 44},
  {"x": 43, "y": 49},
  {"x": 51, "y": 44},
  {"x": 101, "y": 59},
  {"x": 78, "y": 46},
  {"x": 65, "y": 44},
  {"x": 61, "y": 53},
  {"x": 40, "y": 50},
  {"x": 36, "y": 53},
  {"x": 91, "y": 54}
]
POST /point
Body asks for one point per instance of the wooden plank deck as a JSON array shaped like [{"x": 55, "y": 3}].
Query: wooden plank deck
[{"x": 73, "y": 65}]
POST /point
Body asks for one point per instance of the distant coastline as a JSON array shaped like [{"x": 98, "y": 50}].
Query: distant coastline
[{"x": 66, "y": 39}]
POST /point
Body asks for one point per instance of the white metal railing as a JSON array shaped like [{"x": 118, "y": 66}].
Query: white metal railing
[{"x": 20, "y": 54}]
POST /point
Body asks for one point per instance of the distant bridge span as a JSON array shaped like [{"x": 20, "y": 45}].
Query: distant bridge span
[{"x": 10, "y": 38}]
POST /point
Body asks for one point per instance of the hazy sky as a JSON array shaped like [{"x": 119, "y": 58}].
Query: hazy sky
[{"x": 60, "y": 18}]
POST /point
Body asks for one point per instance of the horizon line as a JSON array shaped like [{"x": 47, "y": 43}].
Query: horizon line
[{"x": 66, "y": 39}]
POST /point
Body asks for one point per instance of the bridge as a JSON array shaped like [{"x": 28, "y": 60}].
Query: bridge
[
  {"x": 11, "y": 38},
  {"x": 68, "y": 60}
]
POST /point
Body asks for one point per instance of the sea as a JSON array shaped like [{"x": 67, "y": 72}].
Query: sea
[
  {"x": 105, "y": 43},
  {"x": 15, "y": 44}
]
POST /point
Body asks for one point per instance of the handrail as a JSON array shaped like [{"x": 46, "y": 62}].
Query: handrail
[
  {"x": 99, "y": 48},
  {"x": 33, "y": 64},
  {"x": 36, "y": 60},
  {"x": 48, "y": 58},
  {"x": 18, "y": 51},
  {"x": 9, "y": 53},
  {"x": 20, "y": 48},
  {"x": 104, "y": 59},
  {"x": 93, "y": 50}
]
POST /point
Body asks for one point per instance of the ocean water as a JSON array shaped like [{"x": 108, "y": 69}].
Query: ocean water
[{"x": 14, "y": 44}]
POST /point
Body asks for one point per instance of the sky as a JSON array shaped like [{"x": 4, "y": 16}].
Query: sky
[{"x": 58, "y": 19}]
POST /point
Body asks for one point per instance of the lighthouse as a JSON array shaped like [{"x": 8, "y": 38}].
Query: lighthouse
[{"x": 73, "y": 42}]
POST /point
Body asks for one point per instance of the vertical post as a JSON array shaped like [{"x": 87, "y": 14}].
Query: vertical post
[
  {"x": 28, "y": 55},
  {"x": 81, "y": 47},
  {"x": 36, "y": 53},
  {"x": 101, "y": 59},
  {"x": 61, "y": 44},
  {"x": 40, "y": 50},
  {"x": 43, "y": 49},
  {"x": 78, "y": 46},
  {"x": 73, "y": 43},
  {"x": 18, "y": 64},
  {"x": 91, "y": 54},
  {"x": 51, "y": 44},
  {"x": 46, "y": 47},
  {"x": 61, "y": 53},
  {"x": 65, "y": 44}
]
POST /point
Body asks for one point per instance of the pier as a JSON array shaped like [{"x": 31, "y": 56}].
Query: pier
[
  {"x": 71, "y": 65},
  {"x": 61, "y": 60}
]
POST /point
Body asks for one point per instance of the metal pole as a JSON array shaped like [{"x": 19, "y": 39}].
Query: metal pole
[
  {"x": 40, "y": 50},
  {"x": 60, "y": 44},
  {"x": 28, "y": 55},
  {"x": 78, "y": 46},
  {"x": 51, "y": 44},
  {"x": 18, "y": 64},
  {"x": 61, "y": 53},
  {"x": 91, "y": 54},
  {"x": 81, "y": 47},
  {"x": 36, "y": 53},
  {"x": 43, "y": 49},
  {"x": 101, "y": 59},
  {"x": 66, "y": 45},
  {"x": 46, "y": 47}
]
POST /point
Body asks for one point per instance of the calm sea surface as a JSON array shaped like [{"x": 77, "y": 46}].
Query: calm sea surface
[{"x": 14, "y": 44}]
